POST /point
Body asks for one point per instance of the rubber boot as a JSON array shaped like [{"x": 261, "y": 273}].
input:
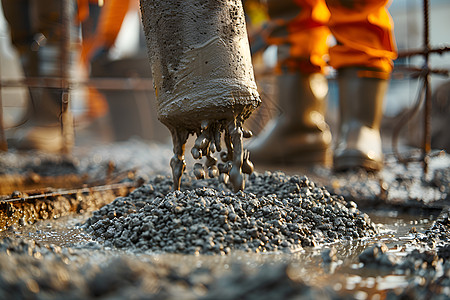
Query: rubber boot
[
  {"x": 361, "y": 94},
  {"x": 37, "y": 35},
  {"x": 300, "y": 134},
  {"x": 41, "y": 128}
]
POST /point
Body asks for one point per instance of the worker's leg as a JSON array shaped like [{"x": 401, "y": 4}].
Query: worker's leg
[
  {"x": 21, "y": 33},
  {"x": 99, "y": 32},
  {"x": 363, "y": 57},
  {"x": 36, "y": 35},
  {"x": 300, "y": 133}
]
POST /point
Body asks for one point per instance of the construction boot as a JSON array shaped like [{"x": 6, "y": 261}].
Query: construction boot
[
  {"x": 41, "y": 127},
  {"x": 361, "y": 94},
  {"x": 38, "y": 35},
  {"x": 300, "y": 134}
]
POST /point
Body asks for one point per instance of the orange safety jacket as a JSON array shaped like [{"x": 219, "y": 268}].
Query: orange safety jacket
[
  {"x": 110, "y": 21},
  {"x": 109, "y": 24},
  {"x": 363, "y": 30}
]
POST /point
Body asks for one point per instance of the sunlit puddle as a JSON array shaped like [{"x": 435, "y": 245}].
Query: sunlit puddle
[
  {"x": 346, "y": 275},
  {"x": 63, "y": 232}
]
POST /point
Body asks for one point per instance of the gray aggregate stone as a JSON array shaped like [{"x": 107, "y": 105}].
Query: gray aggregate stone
[{"x": 274, "y": 212}]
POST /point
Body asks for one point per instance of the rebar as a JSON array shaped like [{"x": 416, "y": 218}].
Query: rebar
[
  {"x": 424, "y": 95},
  {"x": 3, "y": 143},
  {"x": 66, "y": 116},
  {"x": 105, "y": 83},
  {"x": 426, "y": 144},
  {"x": 101, "y": 188}
]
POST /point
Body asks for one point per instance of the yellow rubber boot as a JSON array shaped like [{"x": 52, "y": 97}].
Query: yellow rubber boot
[
  {"x": 41, "y": 127},
  {"x": 361, "y": 95},
  {"x": 299, "y": 134}
]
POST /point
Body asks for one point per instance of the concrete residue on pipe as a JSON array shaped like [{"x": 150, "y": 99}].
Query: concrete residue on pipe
[{"x": 204, "y": 81}]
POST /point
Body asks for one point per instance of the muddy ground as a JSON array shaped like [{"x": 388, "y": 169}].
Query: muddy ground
[{"x": 295, "y": 234}]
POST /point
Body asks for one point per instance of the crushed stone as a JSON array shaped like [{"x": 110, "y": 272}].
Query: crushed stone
[{"x": 276, "y": 212}]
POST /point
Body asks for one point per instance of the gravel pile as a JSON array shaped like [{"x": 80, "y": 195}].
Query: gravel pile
[{"x": 275, "y": 212}]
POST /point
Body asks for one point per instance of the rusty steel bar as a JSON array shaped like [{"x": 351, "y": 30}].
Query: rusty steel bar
[
  {"x": 113, "y": 83},
  {"x": 417, "y": 72},
  {"x": 66, "y": 116},
  {"x": 414, "y": 52},
  {"x": 72, "y": 192},
  {"x": 3, "y": 143},
  {"x": 426, "y": 146},
  {"x": 424, "y": 97},
  {"x": 132, "y": 84}
]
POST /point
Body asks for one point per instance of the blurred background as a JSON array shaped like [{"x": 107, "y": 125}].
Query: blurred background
[{"x": 126, "y": 113}]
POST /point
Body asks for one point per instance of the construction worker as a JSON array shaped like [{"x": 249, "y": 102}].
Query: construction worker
[
  {"x": 100, "y": 22},
  {"x": 363, "y": 57},
  {"x": 35, "y": 27}
]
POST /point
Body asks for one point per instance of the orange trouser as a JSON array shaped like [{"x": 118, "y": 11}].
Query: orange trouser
[
  {"x": 109, "y": 24},
  {"x": 99, "y": 35},
  {"x": 362, "y": 28}
]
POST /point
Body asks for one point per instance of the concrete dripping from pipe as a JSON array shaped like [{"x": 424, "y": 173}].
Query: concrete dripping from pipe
[{"x": 204, "y": 81}]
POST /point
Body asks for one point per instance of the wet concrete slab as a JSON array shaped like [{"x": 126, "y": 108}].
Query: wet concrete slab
[{"x": 408, "y": 257}]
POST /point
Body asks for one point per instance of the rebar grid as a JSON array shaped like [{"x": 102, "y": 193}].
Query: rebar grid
[{"x": 424, "y": 95}]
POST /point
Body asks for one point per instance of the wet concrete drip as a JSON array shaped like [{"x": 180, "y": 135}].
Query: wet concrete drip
[
  {"x": 275, "y": 212},
  {"x": 204, "y": 81}
]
